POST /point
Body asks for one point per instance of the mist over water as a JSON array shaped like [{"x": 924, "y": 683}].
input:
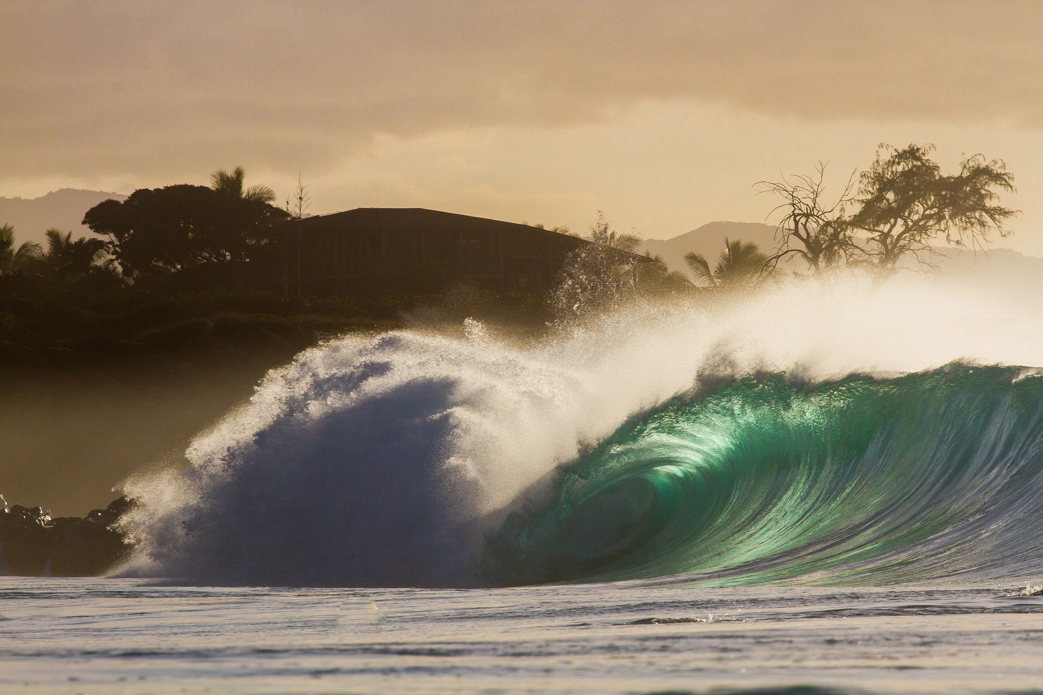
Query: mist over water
[{"x": 419, "y": 459}]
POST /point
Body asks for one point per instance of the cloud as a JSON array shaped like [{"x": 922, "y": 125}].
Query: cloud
[{"x": 157, "y": 89}]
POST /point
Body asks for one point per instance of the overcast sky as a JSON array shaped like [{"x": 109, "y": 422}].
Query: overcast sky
[{"x": 663, "y": 115}]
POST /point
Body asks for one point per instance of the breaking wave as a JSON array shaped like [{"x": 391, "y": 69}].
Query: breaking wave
[
  {"x": 840, "y": 431},
  {"x": 929, "y": 475}
]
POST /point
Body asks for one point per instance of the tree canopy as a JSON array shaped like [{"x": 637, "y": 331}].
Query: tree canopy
[
  {"x": 906, "y": 203},
  {"x": 904, "y": 206},
  {"x": 66, "y": 259},
  {"x": 164, "y": 230},
  {"x": 809, "y": 229},
  {"x": 655, "y": 276},
  {"x": 15, "y": 259},
  {"x": 740, "y": 265},
  {"x": 231, "y": 185}
]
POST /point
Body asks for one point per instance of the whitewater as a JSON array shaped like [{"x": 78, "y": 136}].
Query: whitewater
[{"x": 836, "y": 484}]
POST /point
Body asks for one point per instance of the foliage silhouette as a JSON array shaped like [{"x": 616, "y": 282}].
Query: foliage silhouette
[
  {"x": 301, "y": 201},
  {"x": 740, "y": 265},
  {"x": 14, "y": 260},
  {"x": 67, "y": 260},
  {"x": 904, "y": 205},
  {"x": 655, "y": 277},
  {"x": 165, "y": 230},
  {"x": 809, "y": 229},
  {"x": 231, "y": 184}
]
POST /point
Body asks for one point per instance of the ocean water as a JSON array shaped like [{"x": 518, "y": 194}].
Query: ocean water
[
  {"x": 125, "y": 636},
  {"x": 835, "y": 485}
]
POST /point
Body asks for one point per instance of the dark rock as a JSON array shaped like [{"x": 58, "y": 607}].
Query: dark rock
[{"x": 34, "y": 544}]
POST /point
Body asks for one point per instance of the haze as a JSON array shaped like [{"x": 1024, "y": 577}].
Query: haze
[{"x": 663, "y": 115}]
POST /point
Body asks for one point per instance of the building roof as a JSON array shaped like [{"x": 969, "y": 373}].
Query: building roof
[{"x": 409, "y": 218}]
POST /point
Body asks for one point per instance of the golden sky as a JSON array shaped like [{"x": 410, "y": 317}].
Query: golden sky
[{"x": 664, "y": 115}]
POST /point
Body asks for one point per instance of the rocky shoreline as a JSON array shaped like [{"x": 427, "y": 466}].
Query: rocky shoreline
[{"x": 33, "y": 544}]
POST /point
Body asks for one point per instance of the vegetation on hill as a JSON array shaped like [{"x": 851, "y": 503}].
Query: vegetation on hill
[
  {"x": 79, "y": 303},
  {"x": 130, "y": 303}
]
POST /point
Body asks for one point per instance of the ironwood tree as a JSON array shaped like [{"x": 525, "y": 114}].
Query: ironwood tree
[
  {"x": 906, "y": 204},
  {"x": 298, "y": 206},
  {"x": 812, "y": 229},
  {"x": 904, "y": 207}
]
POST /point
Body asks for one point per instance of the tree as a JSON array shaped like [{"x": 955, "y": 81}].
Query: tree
[
  {"x": 301, "y": 201},
  {"x": 820, "y": 235},
  {"x": 164, "y": 230},
  {"x": 907, "y": 203},
  {"x": 740, "y": 265},
  {"x": 602, "y": 234},
  {"x": 68, "y": 260},
  {"x": 231, "y": 184},
  {"x": 904, "y": 206},
  {"x": 654, "y": 276},
  {"x": 14, "y": 260}
]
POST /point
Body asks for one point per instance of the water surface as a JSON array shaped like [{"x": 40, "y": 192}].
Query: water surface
[{"x": 125, "y": 636}]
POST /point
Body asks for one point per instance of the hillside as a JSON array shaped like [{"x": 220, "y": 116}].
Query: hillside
[
  {"x": 63, "y": 209},
  {"x": 709, "y": 241}
]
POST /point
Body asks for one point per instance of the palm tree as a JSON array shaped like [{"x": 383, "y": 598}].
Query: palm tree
[
  {"x": 603, "y": 234},
  {"x": 739, "y": 265},
  {"x": 66, "y": 258},
  {"x": 231, "y": 184},
  {"x": 656, "y": 277},
  {"x": 13, "y": 260}
]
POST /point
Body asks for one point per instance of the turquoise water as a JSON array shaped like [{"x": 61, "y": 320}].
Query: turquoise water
[{"x": 863, "y": 480}]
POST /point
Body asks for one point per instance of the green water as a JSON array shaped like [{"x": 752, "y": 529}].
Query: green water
[{"x": 861, "y": 480}]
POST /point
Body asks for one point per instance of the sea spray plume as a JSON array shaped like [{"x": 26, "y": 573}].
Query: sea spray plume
[
  {"x": 596, "y": 277},
  {"x": 817, "y": 329}
]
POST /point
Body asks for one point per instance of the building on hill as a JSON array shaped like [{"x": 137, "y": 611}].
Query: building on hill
[{"x": 413, "y": 250}]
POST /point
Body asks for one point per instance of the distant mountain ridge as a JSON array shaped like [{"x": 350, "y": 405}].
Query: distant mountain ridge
[
  {"x": 62, "y": 209},
  {"x": 709, "y": 241}
]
